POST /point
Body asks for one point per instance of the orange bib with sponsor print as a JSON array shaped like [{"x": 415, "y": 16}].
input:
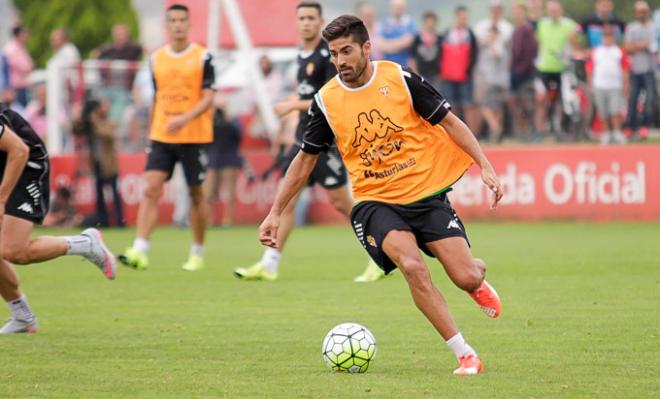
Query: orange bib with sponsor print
[
  {"x": 178, "y": 78},
  {"x": 392, "y": 154}
]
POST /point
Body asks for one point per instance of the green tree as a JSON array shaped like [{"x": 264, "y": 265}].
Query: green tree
[
  {"x": 580, "y": 10},
  {"x": 88, "y": 22}
]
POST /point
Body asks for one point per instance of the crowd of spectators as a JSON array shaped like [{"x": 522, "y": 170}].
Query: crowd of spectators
[{"x": 510, "y": 79}]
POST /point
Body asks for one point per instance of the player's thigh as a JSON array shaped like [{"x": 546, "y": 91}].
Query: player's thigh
[
  {"x": 161, "y": 157},
  {"x": 455, "y": 255},
  {"x": 400, "y": 246},
  {"x": 14, "y": 234},
  {"x": 194, "y": 161}
]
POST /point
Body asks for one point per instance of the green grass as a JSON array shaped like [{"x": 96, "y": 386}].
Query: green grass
[{"x": 581, "y": 319}]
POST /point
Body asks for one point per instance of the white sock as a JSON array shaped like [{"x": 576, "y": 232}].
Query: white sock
[
  {"x": 20, "y": 309},
  {"x": 141, "y": 245},
  {"x": 458, "y": 345},
  {"x": 197, "y": 249},
  {"x": 78, "y": 245},
  {"x": 271, "y": 260}
]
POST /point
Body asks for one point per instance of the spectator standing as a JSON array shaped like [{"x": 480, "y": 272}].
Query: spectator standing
[
  {"x": 609, "y": 79},
  {"x": 36, "y": 111},
  {"x": 65, "y": 53},
  {"x": 494, "y": 70},
  {"x": 457, "y": 60},
  {"x": 554, "y": 33},
  {"x": 397, "y": 34},
  {"x": 495, "y": 18},
  {"x": 642, "y": 48},
  {"x": 367, "y": 14},
  {"x": 426, "y": 50},
  {"x": 117, "y": 82},
  {"x": 493, "y": 66},
  {"x": 224, "y": 163},
  {"x": 19, "y": 62},
  {"x": 534, "y": 11},
  {"x": 524, "y": 49},
  {"x": 592, "y": 27},
  {"x": 66, "y": 59},
  {"x": 100, "y": 133}
]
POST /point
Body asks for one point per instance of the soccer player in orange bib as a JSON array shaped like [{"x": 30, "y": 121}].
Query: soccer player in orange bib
[
  {"x": 181, "y": 127},
  {"x": 403, "y": 149}
]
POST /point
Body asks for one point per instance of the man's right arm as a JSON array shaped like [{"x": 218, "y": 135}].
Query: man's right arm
[{"x": 317, "y": 137}]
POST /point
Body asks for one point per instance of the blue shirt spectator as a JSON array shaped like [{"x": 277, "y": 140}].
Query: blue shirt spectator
[{"x": 397, "y": 34}]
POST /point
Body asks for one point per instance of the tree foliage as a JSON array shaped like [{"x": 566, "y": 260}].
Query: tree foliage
[{"x": 88, "y": 22}]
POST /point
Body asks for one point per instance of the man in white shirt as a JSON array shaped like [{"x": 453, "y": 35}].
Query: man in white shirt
[{"x": 609, "y": 79}]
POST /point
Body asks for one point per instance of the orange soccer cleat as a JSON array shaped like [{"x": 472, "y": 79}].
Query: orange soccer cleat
[
  {"x": 488, "y": 300},
  {"x": 469, "y": 365}
]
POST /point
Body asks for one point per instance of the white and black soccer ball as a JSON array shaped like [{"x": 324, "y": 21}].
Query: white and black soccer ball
[{"x": 349, "y": 347}]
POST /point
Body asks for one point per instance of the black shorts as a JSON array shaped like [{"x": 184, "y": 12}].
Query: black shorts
[
  {"x": 551, "y": 81},
  {"x": 224, "y": 152},
  {"x": 429, "y": 220},
  {"x": 31, "y": 196},
  {"x": 164, "y": 156},
  {"x": 329, "y": 172}
]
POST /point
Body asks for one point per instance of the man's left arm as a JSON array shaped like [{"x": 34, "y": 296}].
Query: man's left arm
[
  {"x": 208, "y": 80},
  {"x": 433, "y": 108}
]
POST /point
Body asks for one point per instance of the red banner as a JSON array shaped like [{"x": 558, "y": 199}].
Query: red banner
[
  {"x": 569, "y": 182},
  {"x": 585, "y": 182}
]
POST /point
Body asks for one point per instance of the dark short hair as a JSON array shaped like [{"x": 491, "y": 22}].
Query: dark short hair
[
  {"x": 17, "y": 30},
  {"x": 310, "y": 4},
  {"x": 429, "y": 14},
  {"x": 177, "y": 7},
  {"x": 460, "y": 8},
  {"x": 345, "y": 26}
]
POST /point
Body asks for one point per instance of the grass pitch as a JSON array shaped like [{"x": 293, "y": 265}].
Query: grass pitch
[{"x": 581, "y": 318}]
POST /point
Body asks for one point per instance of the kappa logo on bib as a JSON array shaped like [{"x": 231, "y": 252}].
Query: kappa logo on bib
[{"x": 373, "y": 126}]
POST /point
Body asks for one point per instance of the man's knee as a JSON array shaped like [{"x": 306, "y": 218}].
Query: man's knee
[
  {"x": 153, "y": 191},
  {"x": 472, "y": 275},
  {"x": 415, "y": 271},
  {"x": 196, "y": 196}
]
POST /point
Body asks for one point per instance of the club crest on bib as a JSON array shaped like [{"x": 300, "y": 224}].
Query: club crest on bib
[{"x": 384, "y": 90}]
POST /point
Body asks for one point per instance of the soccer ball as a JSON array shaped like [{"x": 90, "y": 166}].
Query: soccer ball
[{"x": 349, "y": 347}]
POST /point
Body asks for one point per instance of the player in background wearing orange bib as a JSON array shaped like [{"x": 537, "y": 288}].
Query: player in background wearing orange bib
[
  {"x": 181, "y": 126},
  {"x": 403, "y": 149}
]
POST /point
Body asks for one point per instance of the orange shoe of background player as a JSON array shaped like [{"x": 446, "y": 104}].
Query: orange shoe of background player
[
  {"x": 469, "y": 365},
  {"x": 488, "y": 300}
]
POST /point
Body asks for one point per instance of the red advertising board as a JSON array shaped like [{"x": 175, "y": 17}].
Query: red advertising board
[{"x": 540, "y": 183}]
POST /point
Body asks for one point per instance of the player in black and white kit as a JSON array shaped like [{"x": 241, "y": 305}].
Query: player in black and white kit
[
  {"x": 24, "y": 196},
  {"x": 314, "y": 70}
]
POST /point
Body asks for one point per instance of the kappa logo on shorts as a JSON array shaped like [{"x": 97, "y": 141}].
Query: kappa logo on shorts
[
  {"x": 330, "y": 181},
  {"x": 25, "y": 207},
  {"x": 372, "y": 241},
  {"x": 453, "y": 224}
]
